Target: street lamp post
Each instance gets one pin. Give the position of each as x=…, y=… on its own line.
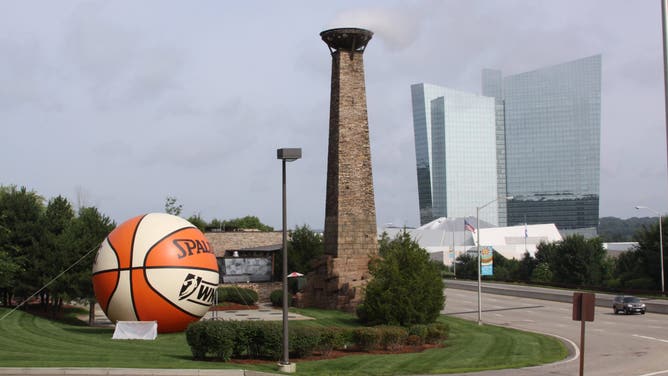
x=286, y=155
x=660, y=243
x=477, y=230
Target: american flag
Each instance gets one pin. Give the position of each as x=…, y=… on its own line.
x=468, y=226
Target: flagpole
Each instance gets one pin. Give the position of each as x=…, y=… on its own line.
x=454, y=253
x=525, y=233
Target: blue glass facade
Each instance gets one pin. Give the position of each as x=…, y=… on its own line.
x=534, y=136
x=552, y=129
x=455, y=143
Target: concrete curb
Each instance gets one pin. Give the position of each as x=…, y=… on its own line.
x=16, y=371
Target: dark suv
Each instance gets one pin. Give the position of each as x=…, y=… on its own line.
x=627, y=304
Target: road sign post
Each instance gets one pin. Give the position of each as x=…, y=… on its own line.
x=583, y=310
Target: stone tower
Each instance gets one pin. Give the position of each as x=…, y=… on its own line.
x=350, y=213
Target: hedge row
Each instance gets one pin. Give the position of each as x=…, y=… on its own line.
x=239, y=295
x=276, y=298
x=264, y=340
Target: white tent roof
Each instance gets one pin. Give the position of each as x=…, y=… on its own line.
x=438, y=236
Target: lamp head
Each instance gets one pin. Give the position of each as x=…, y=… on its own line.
x=289, y=154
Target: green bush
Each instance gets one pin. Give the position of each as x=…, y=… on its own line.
x=414, y=340
x=210, y=337
x=392, y=337
x=303, y=341
x=244, y=332
x=367, y=338
x=276, y=298
x=195, y=337
x=437, y=332
x=239, y=295
x=406, y=287
x=643, y=283
x=420, y=331
x=267, y=341
x=331, y=338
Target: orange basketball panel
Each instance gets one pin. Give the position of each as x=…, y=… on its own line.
x=150, y=306
x=104, y=285
x=185, y=248
x=121, y=239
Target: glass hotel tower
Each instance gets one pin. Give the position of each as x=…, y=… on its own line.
x=547, y=146
x=455, y=152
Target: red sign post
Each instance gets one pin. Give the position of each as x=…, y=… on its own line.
x=583, y=310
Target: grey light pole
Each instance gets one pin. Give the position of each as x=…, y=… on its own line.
x=660, y=243
x=477, y=231
x=286, y=155
x=664, y=34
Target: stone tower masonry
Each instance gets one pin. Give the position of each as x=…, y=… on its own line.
x=350, y=214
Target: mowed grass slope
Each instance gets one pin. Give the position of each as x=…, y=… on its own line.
x=469, y=348
x=29, y=341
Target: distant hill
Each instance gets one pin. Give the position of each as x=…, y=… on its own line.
x=612, y=229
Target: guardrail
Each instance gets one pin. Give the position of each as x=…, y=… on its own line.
x=565, y=296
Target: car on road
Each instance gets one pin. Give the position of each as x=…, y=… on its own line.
x=628, y=304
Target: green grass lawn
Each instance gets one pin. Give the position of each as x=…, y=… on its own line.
x=30, y=341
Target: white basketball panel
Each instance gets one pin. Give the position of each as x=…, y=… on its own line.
x=151, y=229
x=120, y=306
x=192, y=290
x=106, y=258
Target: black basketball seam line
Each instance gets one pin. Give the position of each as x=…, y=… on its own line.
x=132, y=250
x=154, y=267
x=148, y=282
x=196, y=302
x=118, y=278
x=163, y=238
x=143, y=267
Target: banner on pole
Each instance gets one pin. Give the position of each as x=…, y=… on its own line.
x=486, y=260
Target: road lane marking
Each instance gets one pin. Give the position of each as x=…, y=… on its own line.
x=652, y=338
x=655, y=373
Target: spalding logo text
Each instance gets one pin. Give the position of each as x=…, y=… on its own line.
x=188, y=247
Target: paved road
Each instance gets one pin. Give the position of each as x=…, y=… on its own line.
x=621, y=345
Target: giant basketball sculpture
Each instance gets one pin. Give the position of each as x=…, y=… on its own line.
x=155, y=267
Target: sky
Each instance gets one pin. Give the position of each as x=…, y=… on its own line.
x=120, y=104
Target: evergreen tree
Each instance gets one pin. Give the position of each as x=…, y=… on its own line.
x=406, y=287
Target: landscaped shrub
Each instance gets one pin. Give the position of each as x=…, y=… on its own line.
x=210, y=337
x=239, y=295
x=437, y=332
x=195, y=334
x=243, y=336
x=406, y=287
x=267, y=340
x=367, y=338
x=276, y=298
x=414, y=340
x=644, y=283
x=420, y=331
x=392, y=337
x=303, y=341
x=331, y=338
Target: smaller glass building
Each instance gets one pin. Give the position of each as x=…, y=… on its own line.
x=456, y=153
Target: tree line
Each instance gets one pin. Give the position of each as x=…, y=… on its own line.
x=41, y=239
x=579, y=262
x=248, y=222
